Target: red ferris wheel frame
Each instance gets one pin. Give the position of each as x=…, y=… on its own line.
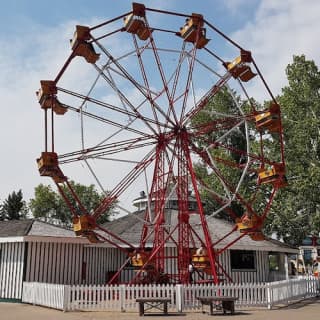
x=173, y=142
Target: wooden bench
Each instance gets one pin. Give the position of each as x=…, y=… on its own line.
x=225, y=303
x=153, y=303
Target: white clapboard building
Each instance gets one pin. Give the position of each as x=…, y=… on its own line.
x=35, y=251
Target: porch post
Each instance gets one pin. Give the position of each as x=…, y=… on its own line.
x=286, y=266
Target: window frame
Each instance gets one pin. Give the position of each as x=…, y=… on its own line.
x=234, y=265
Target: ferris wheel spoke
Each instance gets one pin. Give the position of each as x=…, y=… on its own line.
x=206, y=98
x=109, y=149
x=160, y=68
x=107, y=121
x=105, y=105
x=128, y=76
x=145, y=80
x=189, y=82
x=114, y=194
x=136, y=112
x=175, y=82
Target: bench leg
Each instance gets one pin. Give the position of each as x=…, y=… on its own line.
x=141, y=309
x=211, y=308
x=165, y=308
x=228, y=306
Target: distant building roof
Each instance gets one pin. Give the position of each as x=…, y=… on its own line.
x=32, y=229
x=129, y=228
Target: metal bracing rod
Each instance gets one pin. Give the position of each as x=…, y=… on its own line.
x=188, y=54
x=223, y=270
x=110, y=33
x=110, y=106
x=206, y=98
x=231, y=243
x=115, y=237
x=76, y=198
x=114, y=147
x=253, y=109
x=124, y=183
x=141, y=86
x=222, y=34
x=86, y=155
x=206, y=159
x=240, y=152
x=130, y=213
x=155, y=188
x=119, y=95
x=136, y=112
x=170, y=162
x=219, y=175
x=215, y=125
x=175, y=83
x=128, y=76
x=156, y=250
x=63, y=69
x=46, y=130
x=95, y=177
x=201, y=213
x=189, y=78
x=110, y=21
x=169, y=12
x=213, y=54
x=263, y=80
x=145, y=80
x=235, y=228
x=158, y=61
x=116, y=275
x=81, y=108
x=66, y=199
x=104, y=120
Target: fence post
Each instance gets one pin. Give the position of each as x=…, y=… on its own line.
x=122, y=296
x=66, y=297
x=269, y=296
x=179, y=297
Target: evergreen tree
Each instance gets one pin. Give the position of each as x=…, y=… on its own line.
x=14, y=207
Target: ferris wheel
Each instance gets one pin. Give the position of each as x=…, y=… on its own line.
x=136, y=107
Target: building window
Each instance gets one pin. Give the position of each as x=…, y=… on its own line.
x=274, y=261
x=243, y=260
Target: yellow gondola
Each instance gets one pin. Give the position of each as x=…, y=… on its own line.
x=134, y=23
x=240, y=68
x=269, y=119
x=194, y=32
x=81, y=46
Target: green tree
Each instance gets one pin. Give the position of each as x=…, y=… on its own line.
x=50, y=206
x=296, y=211
x=14, y=207
x=213, y=117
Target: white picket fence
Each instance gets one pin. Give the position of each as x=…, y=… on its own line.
x=183, y=297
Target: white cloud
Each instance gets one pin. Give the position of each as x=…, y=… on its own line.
x=279, y=30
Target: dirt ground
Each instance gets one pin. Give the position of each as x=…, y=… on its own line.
x=305, y=310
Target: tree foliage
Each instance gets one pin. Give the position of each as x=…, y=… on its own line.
x=296, y=212
x=14, y=207
x=50, y=206
x=223, y=103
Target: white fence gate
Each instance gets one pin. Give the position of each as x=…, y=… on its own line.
x=183, y=297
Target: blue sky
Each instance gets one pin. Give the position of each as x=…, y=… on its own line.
x=34, y=44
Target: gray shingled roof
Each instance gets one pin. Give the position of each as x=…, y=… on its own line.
x=15, y=228
x=129, y=229
x=20, y=228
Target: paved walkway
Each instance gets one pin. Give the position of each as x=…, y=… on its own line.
x=305, y=310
